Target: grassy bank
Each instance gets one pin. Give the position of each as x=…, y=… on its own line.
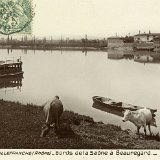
x=21, y=128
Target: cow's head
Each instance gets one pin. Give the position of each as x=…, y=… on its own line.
x=127, y=114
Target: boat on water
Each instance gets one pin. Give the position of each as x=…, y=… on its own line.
x=9, y=68
x=117, y=112
x=119, y=106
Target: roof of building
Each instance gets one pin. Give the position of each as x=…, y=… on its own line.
x=148, y=34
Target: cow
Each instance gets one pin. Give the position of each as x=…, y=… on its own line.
x=53, y=110
x=140, y=117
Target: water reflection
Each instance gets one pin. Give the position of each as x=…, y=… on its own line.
x=138, y=56
x=76, y=78
x=114, y=54
x=14, y=82
x=143, y=58
x=120, y=54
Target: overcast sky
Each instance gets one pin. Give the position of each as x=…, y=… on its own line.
x=96, y=17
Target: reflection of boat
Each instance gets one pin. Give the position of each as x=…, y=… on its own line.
x=11, y=68
x=119, y=106
x=143, y=58
x=116, y=108
x=11, y=82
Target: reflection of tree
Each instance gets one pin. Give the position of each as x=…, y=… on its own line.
x=14, y=17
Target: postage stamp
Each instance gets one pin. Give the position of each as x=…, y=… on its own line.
x=16, y=16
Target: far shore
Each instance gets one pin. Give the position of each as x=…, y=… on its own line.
x=43, y=47
x=21, y=127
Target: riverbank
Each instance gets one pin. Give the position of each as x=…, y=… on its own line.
x=21, y=128
x=43, y=47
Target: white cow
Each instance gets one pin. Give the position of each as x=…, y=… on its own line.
x=141, y=117
x=53, y=110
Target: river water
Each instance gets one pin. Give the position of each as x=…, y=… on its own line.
x=76, y=77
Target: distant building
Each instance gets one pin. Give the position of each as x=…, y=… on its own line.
x=145, y=37
x=156, y=43
x=115, y=41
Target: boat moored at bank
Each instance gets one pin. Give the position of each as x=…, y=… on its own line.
x=11, y=67
x=119, y=106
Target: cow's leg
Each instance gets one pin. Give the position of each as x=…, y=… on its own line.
x=57, y=121
x=145, y=130
x=45, y=130
x=57, y=124
x=149, y=128
x=138, y=130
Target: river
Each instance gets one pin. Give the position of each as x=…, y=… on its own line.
x=76, y=76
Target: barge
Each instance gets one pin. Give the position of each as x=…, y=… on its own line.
x=9, y=68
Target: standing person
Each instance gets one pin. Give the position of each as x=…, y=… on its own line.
x=53, y=110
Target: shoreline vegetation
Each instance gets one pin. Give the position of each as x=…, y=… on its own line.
x=127, y=43
x=21, y=128
x=52, y=44
x=114, y=53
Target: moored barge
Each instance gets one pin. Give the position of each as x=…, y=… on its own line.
x=9, y=68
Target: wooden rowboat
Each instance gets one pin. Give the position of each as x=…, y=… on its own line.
x=119, y=106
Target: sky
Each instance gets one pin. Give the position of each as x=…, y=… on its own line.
x=95, y=17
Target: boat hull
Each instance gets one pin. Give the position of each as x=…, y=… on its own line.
x=120, y=106
x=9, y=68
x=118, y=110
x=11, y=74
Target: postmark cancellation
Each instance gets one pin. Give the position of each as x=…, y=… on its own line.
x=16, y=16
